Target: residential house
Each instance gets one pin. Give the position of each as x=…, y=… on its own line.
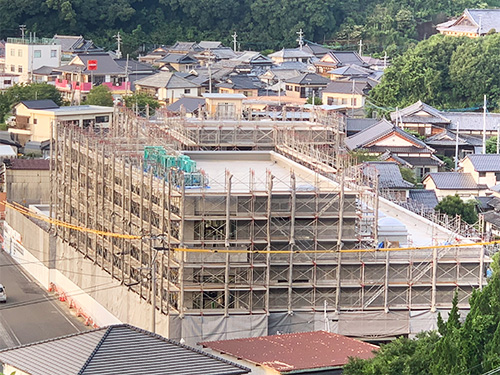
x=336, y=59
x=153, y=56
x=122, y=349
x=315, y=49
x=428, y=121
x=2, y=55
x=209, y=56
x=390, y=180
x=167, y=87
x=252, y=60
x=8, y=80
x=209, y=44
x=351, y=94
x=451, y=183
x=446, y=143
x=187, y=106
x=472, y=23
x=484, y=168
x=422, y=200
x=224, y=106
x=375, y=64
x=135, y=70
x=185, y=48
x=311, y=353
x=291, y=54
x=45, y=74
x=23, y=56
x=179, y=61
x=239, y=84
x=34, y=118
x=273, y=76
x=391, y=143
x=306, y=85
x=74, y=45
x=355, y=72
x=76, y=79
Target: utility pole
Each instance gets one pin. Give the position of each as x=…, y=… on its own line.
x=360, y=46
x=456, y=146
x=119, y=42
x=210, y=71
x=23, y=29
x=385, y=59
x=301, y=38
x=484, y=125
x=234, y=41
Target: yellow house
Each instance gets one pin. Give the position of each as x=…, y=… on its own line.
x=484, y=168
x=224, y=106
x=451, y=183
x=34, y=118
x=351, y=94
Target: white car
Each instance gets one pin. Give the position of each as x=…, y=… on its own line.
x=3, y=294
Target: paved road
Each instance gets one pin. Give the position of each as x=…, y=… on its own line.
x=30, y=314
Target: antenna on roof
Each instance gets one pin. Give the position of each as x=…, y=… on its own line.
x=119, y=42
x=23, y=29
x=360, y=47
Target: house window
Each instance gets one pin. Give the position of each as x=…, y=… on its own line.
x=19, y=53
x=482, y=174
x=35, y=121
x=12, y=68
x=100, y=119
x=53, y=53
x=353, y=102
x=37, y=53
x=297, y=88
x=497, y=176
x=19, y=68
x=12, y=52
x=344, y=100
x=7, y=82
x=187, y=91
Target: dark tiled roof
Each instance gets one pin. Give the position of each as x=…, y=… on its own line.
x=28, y=164
x=426, y=198
x=347, y=57
x=407, y=114
x=40, y=104
x=485, y=162
x=472, y=121
x=178, y=58
x=420, y=161
x=239, y=83
x=105, y=64
x=347, y=87
x=454, y=181
x=309, y=79
x=492, y=217
x=120, y=349
x=166, y=79
x=190, y=104
x=389, y=175
x=359, y=124
x=295, y=351
x=449, y=138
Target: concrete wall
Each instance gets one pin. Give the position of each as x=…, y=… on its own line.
x=28, y=186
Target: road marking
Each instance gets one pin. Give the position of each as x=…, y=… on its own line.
x=62, y=312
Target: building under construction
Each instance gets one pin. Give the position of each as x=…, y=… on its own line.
x=246, y=242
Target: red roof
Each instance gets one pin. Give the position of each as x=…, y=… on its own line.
x=295, y=351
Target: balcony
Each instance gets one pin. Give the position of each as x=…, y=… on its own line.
x=62, y=84
x=124, y=86
x=81, y=86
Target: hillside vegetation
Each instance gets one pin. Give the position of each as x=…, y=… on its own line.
x=260, y=24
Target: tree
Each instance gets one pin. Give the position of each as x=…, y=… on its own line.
x=453, y=205
x=408, y=175
x=141, y=100
x=317, y=101
x=100, y=95
x=491, y=145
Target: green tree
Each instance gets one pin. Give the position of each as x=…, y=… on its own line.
x=491, y=145
x=453, y=205
x=408, y=175
x=317, y=101
x=141, y=101
x=100, y=95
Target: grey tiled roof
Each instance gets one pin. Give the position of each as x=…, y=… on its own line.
x=472, y=121
x=291, y=53
x=178, y=58
x=389, y=175
x=492, y=217
x=347, y=57
x=359, y=124
x=485, y=162
x=426, y=198
x=309, y=79
x=120, y=349
x=375, y=131
x=347, y=87
x=406, y=114
x=166, y=79
x=454, y=181
x=189, y=104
